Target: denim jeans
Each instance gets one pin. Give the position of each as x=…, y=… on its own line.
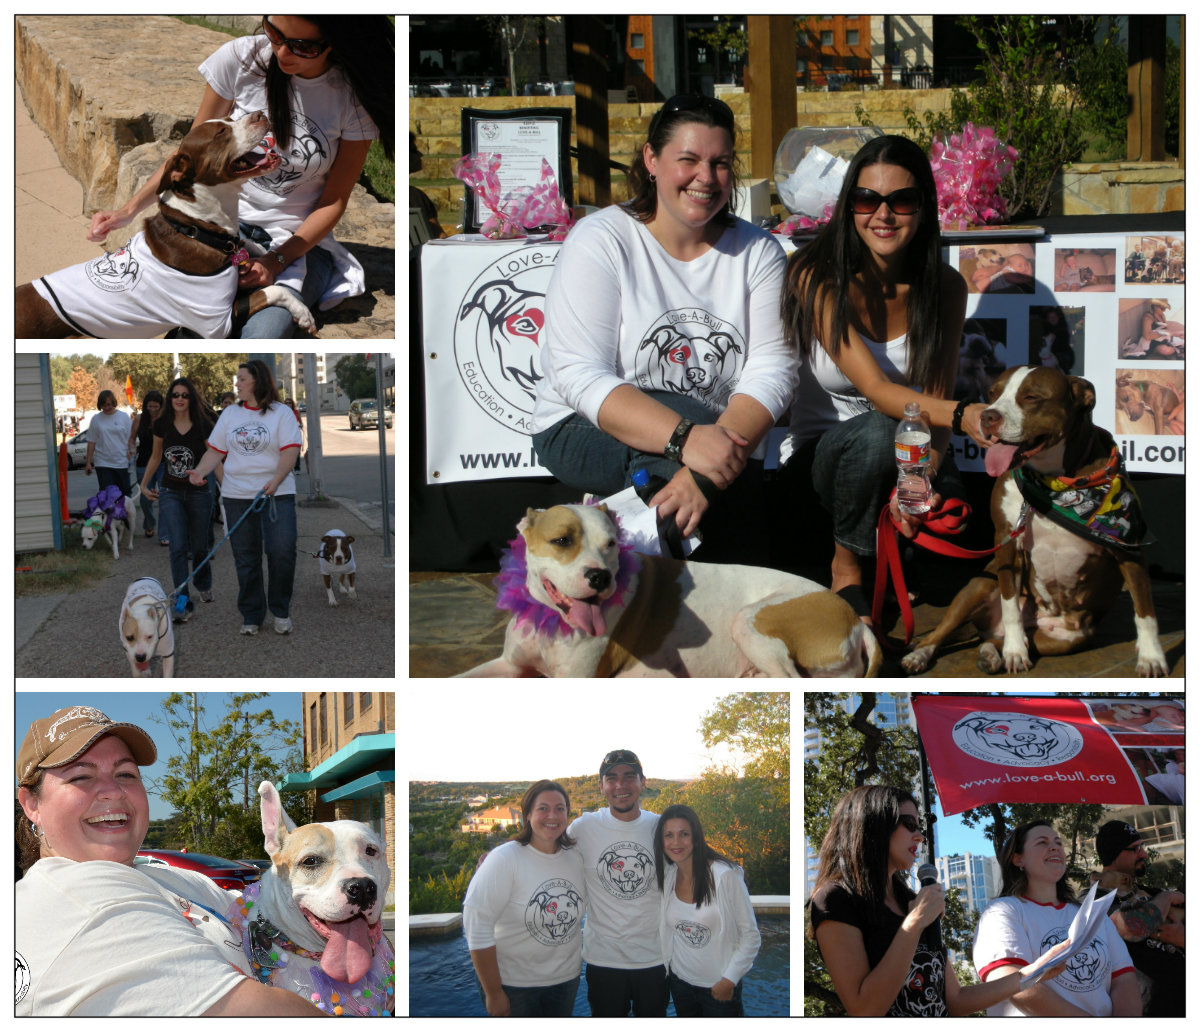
x=146, y=503
x=539, y=1001
x=582, y=456
x=185, y=518
x=274, y=322
x=259, y=534
x=612, y=992
x=696, y=1001
x=107, y=476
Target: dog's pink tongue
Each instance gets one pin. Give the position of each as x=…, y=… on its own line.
x=998, y=458
x=585, y=617
x=347, y=955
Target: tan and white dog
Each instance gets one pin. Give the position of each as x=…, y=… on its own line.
x=93, y=528
x=313, y=923
x=1052, y=578
x=589, y=608
x=145, y=626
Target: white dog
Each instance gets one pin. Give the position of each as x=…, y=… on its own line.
x=106, y=524
x=145, y=627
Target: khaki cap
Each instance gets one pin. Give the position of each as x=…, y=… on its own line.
x=68, y=733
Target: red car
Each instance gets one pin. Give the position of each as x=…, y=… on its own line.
x=229, y=874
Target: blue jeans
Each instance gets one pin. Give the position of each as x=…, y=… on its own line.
x=107, y=476
x=539, y=1001
x=583, y=456
x=259, y=534
x=696, y=1001
x=146, y=503
x=275, y=322
x=186, y=520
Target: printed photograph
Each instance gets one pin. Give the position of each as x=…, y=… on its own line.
x=1056, y=337
x=1150, y=328
x=1154, y=259
x=998, y=268
x=1081, y=269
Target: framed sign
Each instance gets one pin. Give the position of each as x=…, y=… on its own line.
x=522, y=138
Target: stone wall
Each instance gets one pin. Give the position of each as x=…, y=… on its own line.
x=1121, y=188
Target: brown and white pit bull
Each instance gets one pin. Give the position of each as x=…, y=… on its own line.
x=1057, y=581
x=181, y=270
x=585, y=606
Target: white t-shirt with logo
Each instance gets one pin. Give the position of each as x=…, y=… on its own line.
x=529, y=905
x=130, y=293
x=622, y=890
x=720, y=939
x=620, y=309
x=1015, y=930
x=251, y=440
x=102, y=939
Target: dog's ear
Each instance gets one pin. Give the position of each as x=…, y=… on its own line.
x=348, y=539
x=1084, y=392
x=529, y=519
x=276, y=824
x=179, y=176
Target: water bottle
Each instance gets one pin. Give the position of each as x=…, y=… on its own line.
x=670, y=540
x=913, y=488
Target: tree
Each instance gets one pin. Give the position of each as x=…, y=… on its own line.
x=213, y=374
x=147, y=370
x=355, y=377
x=83, y=385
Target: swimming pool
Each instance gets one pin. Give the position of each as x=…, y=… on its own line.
x=441, y=980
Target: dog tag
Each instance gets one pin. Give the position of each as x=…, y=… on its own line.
x=239, y=257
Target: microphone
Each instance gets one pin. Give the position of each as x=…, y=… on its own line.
x=927, y=874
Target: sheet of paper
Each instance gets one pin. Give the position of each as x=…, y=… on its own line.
x=1084, y=927
x=640, y=522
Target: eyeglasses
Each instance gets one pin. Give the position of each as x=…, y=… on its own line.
x=183, y=396
x=722, y=113
x=900, y=202
x=911, y=823
x=305, y=48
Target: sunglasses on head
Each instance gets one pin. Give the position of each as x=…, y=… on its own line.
x=722, y=113
x=306, y=48
x=911, y=823
x=899, y=202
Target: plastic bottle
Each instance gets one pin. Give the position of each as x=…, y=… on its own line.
x=670, y=540
x=913, y=488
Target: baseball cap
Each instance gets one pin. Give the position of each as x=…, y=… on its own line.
x=68, y=733
x=1114, y=837
x=619, y=756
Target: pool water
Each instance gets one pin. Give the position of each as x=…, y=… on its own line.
x=441, y=979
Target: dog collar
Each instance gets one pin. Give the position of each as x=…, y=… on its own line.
x=223, y=242
x=512, y=592
x=1101, y=506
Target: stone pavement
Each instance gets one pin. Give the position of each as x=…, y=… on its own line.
x=454, y=625
x=89, y=121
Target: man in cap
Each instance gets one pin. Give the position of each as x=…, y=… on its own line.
x=620, y=936
x=1155, y=942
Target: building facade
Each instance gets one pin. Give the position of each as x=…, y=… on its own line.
x=496, y=817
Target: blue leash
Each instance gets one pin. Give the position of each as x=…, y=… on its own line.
x=260, y=500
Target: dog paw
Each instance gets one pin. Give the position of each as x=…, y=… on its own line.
x=354, y=594
x=1016, y=660
x=918, y=660
x=1152, y=666
x=343, y=589
x=333, y=601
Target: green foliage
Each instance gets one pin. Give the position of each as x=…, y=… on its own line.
x=439, y=894
x=724, y=34
x=355, y=376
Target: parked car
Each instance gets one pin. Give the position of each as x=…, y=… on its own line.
x=364, y=412
x=77, y=451
x=229, y=874
x=262, y=865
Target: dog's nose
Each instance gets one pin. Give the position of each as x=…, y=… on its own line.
x=360, y=891
x=598, y=578
x=989, y=421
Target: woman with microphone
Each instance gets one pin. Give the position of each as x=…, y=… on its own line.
x=879, y=941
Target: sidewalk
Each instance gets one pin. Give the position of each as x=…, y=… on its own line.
x=77, y=637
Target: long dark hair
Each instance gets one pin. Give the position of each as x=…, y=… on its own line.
x=855, y=851
x=525, y=836
x=144, y=419
x=826, y=266
x=643, y=202
x=265, y=391
x=1014, y=880
x=363, y=49
x=703, y=855
x=199, y=412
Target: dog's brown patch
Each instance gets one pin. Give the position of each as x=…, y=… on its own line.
x=129, y=625
x=814, y=627
x=556, y=533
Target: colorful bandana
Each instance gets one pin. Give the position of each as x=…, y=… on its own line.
x=1101, y=506
x=513, y=593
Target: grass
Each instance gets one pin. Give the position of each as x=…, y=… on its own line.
x=72, y=569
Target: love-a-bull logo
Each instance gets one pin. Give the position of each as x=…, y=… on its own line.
x=694, y=353
x=626, y=869
x=1017, y=739
x=553, y=912
x=114, y=271
x=498, y=334
x=251, y=438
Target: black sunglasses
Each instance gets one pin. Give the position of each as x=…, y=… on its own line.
x=183, y=396
x=911, y=823
x=722, y=113
x=900, y=202
x=306, y=48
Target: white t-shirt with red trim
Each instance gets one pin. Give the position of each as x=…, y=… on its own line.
x=1015, y=930
x=251, y=440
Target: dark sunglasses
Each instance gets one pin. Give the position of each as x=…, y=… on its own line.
x=722, y=113
x=306, y=48
x=900, y=202
x=911, y=823
x=183, y=396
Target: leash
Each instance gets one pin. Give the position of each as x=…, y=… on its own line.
x=951, y=518
x=260, y=500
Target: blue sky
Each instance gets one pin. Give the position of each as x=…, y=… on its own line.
x=137, y=707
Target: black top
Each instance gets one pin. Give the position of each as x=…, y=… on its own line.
x=924, y=992
x=181, y=453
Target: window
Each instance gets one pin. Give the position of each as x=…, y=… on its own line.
x=637, y=41
x=323, y=738
x=852, y=37
x=347, y=708
x=826, y=37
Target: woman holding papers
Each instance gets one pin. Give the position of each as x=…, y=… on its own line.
x=879, y=941
x=1032, y=914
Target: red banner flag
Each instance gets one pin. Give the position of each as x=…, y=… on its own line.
x=129, y=389
x=1052, y=750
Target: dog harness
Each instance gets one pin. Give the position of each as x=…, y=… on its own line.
x=268, y=950
x=130, y=293
x=110, y=502
x=330, y=568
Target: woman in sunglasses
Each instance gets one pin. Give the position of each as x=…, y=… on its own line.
x=878, y=318
x=327, y=84
x=663, y=348
x=1035, y=907
x=879, y=941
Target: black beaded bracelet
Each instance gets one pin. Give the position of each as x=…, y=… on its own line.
x=956, y=422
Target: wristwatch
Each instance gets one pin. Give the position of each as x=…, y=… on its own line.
x=956, y=426
x=282, y=262
x=674, y=448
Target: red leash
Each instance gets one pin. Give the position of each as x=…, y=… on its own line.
x=951, y=518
